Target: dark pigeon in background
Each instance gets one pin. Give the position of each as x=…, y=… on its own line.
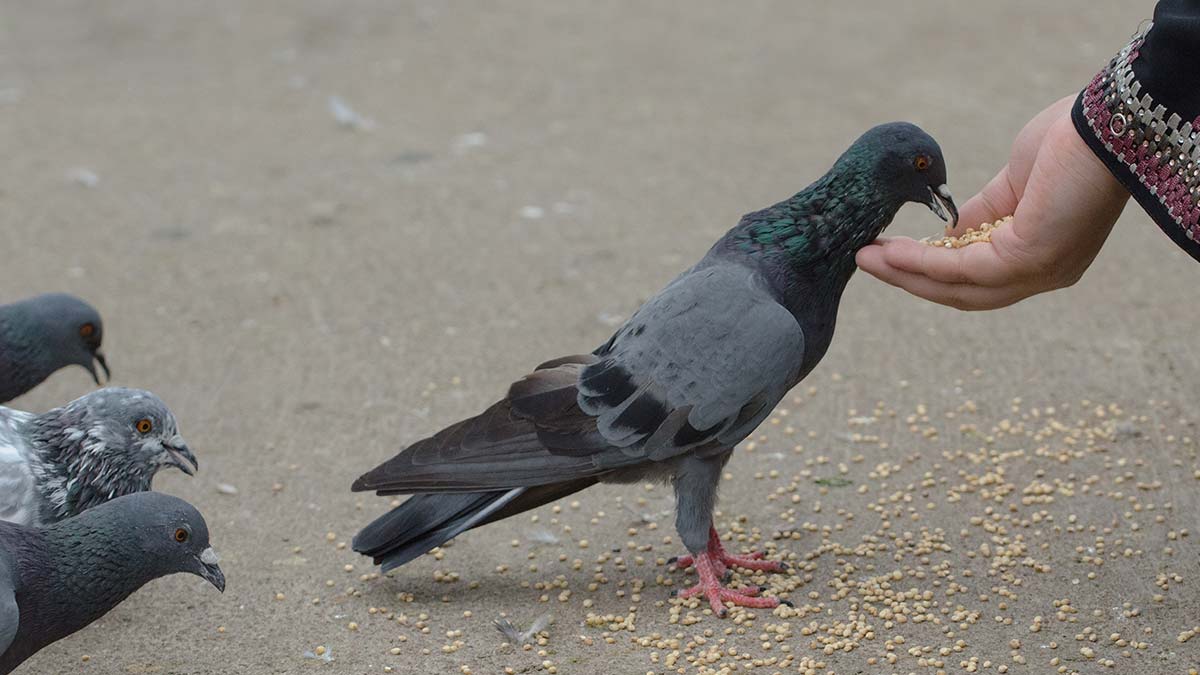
x=690, y=375
x=43, y=334
x=56, y=580
x=106, y=444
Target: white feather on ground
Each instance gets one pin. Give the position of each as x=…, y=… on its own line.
x=543, y=536
x=515, y=636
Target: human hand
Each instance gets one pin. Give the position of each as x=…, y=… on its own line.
x=1064, y=203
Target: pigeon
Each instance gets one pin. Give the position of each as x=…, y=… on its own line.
x=691, y=374
x=44, y=333
x=58, y=579
x=105, y=444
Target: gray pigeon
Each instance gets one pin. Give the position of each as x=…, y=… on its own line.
x=106, y=444
x=41, y=334
x=56, y=580
x=688, y=376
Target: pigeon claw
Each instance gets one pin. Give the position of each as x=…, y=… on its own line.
x=714, y=567
x=754, y=561
x=717, y=595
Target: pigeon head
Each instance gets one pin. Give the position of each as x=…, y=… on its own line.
x=139, y=424
x=70, y=330
x=173, y=535
x=906, y=163
x=167, y=534
x=108, y=443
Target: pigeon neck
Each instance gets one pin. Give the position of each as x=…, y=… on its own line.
x=73, y=466
x=826, y=223
x=95, y=567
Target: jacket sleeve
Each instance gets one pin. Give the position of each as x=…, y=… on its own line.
x=1141, y=116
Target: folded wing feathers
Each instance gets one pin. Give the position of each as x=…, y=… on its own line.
x=701, y=363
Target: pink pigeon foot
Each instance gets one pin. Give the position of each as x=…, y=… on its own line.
x=712, y=566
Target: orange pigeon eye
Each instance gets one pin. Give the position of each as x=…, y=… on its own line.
x=87, y=330
x=143, y=426
x=921, y=162
x=181, y=535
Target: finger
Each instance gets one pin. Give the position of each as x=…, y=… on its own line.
x=996, y=200
x=977, y=264
x=870, y=259
x=1020, y=164
x=966, y=297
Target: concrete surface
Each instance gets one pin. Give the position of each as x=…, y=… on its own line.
x=309, y=297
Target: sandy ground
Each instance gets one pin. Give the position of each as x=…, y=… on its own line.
x=309, y=297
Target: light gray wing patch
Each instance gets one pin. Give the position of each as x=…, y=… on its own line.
x=18, y=496
x=709, y=345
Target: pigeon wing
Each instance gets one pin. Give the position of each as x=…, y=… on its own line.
x=701, y=363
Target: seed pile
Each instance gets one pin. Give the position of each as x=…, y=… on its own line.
x=979, y=538
x=971, y=236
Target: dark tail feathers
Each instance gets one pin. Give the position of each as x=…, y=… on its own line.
x=426, y=521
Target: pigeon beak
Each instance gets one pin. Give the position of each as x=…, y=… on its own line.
x=181, y=457
x=97, y=357
x=209, y=570
x=942, y=204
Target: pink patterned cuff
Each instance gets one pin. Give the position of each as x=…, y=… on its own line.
x=1157, y=147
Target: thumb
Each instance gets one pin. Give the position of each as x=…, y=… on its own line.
x=995, y=201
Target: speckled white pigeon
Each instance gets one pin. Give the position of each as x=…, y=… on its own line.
x=106, y=444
